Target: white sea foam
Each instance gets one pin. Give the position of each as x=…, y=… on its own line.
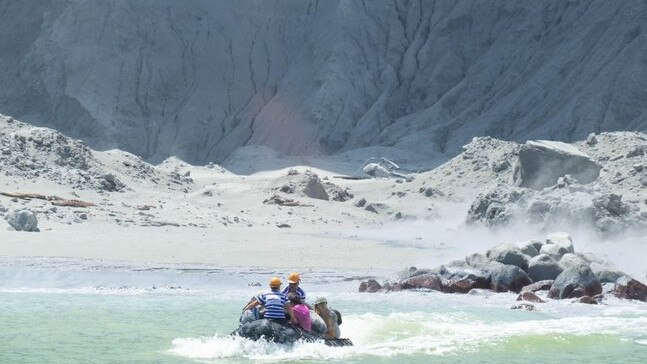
x=413, y=333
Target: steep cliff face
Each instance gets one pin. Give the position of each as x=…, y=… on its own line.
x=198, y=79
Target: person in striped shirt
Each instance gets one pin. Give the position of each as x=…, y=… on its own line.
x=293, y=286
x=275, y=302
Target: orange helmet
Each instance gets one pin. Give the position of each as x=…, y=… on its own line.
x=275, y=282
x=293, y=277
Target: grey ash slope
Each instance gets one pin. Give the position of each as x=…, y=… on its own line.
x=200, y=79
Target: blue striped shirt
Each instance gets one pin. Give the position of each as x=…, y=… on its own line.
x=300, y=292
x=274, y=303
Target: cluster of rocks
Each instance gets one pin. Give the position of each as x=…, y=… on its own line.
x=308, y=184
x=28, y=152
x=550, y=265
x=555, y=184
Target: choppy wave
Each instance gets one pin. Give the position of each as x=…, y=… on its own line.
x=420, y=333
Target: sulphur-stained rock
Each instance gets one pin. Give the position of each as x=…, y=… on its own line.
x=508, y=254
x=629, y=288
x=539, y=286
x=588, y=300
x=370, y=286
x=575, y=282
x=507, y=277
x=530, y=297
x=523, y=306
x=544, y=267
x=424, y=281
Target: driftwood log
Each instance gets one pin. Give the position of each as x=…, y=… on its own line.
x=55, y=200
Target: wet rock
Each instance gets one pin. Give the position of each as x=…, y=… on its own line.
x=538, y=286
x=523, y=306
x=554, y=251
x=541, y=163
x=508, y=254
x=462, y=279
x=476, y=259
x=529, y=249
x=543, y=267
x=530, y=297
x=506, y=278
x=575, y=282
x=629, y=288
x=370, y=286
x=588, y=300
x=570, y=260
x=605, y=274
x=22, y=220
x=424, y=281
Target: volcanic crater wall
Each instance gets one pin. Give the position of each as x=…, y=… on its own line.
x=198, y=79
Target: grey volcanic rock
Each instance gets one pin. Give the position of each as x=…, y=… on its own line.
x=575, y=282
x=630, y=288
x=542, y=163
x=530, y=249
x=199, y=79
x=370, y=286
x=605, y=274
x=543, y=267
x=423, y=281
x=570, y=260
x=538, y=286
x=507, y=277
x=508, y=254
x=554, y=251
x=22, y=220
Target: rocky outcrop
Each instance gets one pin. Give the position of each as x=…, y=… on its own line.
x=508, y=254
x=507, y=278
x=542, y=163
x=575, y=282
x=543, y=267
x=370, y=286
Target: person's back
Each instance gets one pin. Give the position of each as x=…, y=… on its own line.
x=329, y=317
x=274, y=303
x=299, y=312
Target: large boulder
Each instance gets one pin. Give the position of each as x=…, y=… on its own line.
x=554, y=251
x=575, y=282
x=462, y=279
x=22, y=220
x=423, y=281
x=543, y=267
x=561, y=239
x=509, y=254
x=538, y=286
x=506, y=278
x=571, y=259
x=370, y=286
x=629, y=288
x=605, y=274
x=529, y=248
x=542, y=163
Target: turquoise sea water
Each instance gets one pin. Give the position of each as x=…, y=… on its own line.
x=52, y=314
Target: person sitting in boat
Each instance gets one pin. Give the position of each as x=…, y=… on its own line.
x=274, y=302
x=299, y=312
x=293, y=286
x=330, y=317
